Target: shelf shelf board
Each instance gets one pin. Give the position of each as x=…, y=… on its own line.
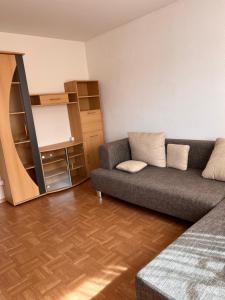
x=59, y=146
x=21, y=141
x=77, y=167
x=53, y=160
x=51, y=104
x=17, y=113
x=56, y=172
x=88, y=96
x=72, y=102
x=54, y=104
x=76, y=155
x=85, y=110
x=29, y=166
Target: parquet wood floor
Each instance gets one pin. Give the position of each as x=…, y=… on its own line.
x=69, y=247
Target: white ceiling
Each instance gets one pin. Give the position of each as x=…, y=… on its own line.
x=71, y=19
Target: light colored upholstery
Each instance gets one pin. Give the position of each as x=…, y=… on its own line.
x=148, y=147
x=177, y=156
x=131, y=166
x=192, y=267
x=215, y=168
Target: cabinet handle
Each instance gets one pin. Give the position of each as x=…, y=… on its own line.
x=25, y=128
x=91, y=136
x=54, y=99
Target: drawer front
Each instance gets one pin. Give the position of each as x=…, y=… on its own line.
x=54, y=98
x=91, y=121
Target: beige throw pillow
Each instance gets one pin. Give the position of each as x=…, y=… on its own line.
x=148, y=147
x=177, y=156
x=131, y=166
x=215, y=168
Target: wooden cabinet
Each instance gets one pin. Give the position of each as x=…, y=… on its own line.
x=29, y=171
x=20, y=165
x=92, y=141
x=91, y=118
x=63, y=165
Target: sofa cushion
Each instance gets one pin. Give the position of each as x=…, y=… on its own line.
x=200, y=151
x=177, y=156
x=185, y=195
x=131, y=166
x=148, y=147
x=192, y=267
x=215, y=168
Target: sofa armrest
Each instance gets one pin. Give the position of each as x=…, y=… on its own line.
x=111, y=154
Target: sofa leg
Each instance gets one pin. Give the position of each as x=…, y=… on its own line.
x=99, y=193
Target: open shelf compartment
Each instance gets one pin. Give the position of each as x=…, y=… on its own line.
x=89, y=103
x=15, y=105
x=78, y=175
x=87, y=88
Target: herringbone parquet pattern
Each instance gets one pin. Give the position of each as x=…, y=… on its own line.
x=66, y=246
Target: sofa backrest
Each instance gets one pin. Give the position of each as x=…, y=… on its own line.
x=116, y=152
x=200, y=151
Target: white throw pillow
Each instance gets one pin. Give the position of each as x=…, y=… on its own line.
x=131, y=166
x=177, y=156
x=215, y=168
x=148, y=147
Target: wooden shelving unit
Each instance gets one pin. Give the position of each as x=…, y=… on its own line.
x=29, y=171
x=89, y=107
x=20, y=166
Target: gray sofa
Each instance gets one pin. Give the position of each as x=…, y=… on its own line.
x=193, y=266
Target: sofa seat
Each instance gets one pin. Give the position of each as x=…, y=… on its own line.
x=192, y=267
x=185, y=195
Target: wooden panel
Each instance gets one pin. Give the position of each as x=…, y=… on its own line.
x=70, y=86
x=75, y=124
x=18, y=182
x=92, y=141
x=91, y=120
x=11, y=53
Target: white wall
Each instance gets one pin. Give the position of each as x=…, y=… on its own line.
x=48, y=63
x=164, y=72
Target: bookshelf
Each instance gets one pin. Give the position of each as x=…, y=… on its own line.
x=89, y=106
x=20, y=162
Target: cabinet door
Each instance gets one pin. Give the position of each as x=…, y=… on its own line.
x=91, y=120
x=92, y=141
